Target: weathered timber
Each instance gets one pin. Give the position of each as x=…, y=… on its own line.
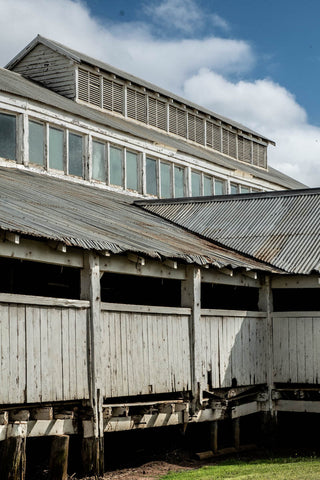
x=214, y=436
x=266, y=305
x=58, y=465
x=236, y=432
x=13, y=458
x=191, y=297
x=93, y=462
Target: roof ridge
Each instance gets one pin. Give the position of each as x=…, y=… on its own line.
x=230, y=197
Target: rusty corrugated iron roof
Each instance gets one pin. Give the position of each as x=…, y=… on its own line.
x=98, y=219
x=280, y=228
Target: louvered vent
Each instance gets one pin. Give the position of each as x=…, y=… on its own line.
x=157, y=113
x=232, y=145
x=255, y=153
x=136, y=105
x=262, y=161
x=177, y=121
x=195, y=128
x=213, y=136
x=94, y=89
x=192, y=127
x=112, y=96
x=244, y=150
x=83, y=85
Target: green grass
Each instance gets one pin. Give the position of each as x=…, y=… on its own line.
x=275, y=469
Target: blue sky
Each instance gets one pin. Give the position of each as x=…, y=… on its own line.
x=256, y=61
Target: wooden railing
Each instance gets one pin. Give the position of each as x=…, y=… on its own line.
x=233, y=348
x=43, y=349
x=145, y=350
x=296, y=347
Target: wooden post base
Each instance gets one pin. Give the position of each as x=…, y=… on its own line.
x=92, y=453
x=236, y=433
x=58, y=464
x=13, y=458
x=214, y=436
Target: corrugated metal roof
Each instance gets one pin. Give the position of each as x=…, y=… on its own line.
x=83, y=58
x=15, y=84
x=98, y=219
x=280, y=228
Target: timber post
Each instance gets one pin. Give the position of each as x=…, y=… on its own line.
x=59, y=457
x=266, y=305
x=214, y=436
x=13, y=452
x=191, y=297
x=93, y=444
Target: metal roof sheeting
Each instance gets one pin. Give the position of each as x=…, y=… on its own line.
x=280, y=228
x=14, y=84
x=94, y=218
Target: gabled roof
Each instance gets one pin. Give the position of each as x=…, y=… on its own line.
x=280, y=228
x=14, y=84
x=79, y=58
x=93, y=218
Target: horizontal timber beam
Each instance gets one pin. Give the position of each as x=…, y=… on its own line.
x=295, y=281
x=37, y=251
x=238, y=279
x=151, y=268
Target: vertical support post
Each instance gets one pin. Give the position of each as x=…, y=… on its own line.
x=236, y=432
x=266, y=305
x=191, y=297
x=13, y=452
x=214, y=436
x=59, y=457
x=92, y=445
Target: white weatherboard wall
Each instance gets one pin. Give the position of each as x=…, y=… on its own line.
x=296, y=347
x=233, y=347
x=43, y=352
x=144, y=350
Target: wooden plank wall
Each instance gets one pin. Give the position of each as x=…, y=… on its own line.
x=296, y=347
x=49, y=68
x=144, y=350
x=233, y=347
x=43, y=353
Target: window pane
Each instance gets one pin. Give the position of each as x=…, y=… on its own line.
x=234, y=189
x=165, y=171
x=218, y=187
x=132, y=170
x=244, y=189
x=207, y=185
x=195, y=184
x=75, y=155
x=151, y=176
x=179, y=182
x=55, y=148
x=7, y=136
x=98, y=162
x=115, y=166
x=36, y=143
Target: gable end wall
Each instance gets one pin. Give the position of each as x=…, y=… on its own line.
x=49, y=68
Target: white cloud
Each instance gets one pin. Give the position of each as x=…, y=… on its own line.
x=198, y=68
x=269, y=109
x=183, y=15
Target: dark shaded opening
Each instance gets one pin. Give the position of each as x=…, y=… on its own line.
x=296, y=299
x=229, y=297
x=132, y=289
x=40, y=279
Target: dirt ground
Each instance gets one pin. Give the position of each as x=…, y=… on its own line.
x=174, y=461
